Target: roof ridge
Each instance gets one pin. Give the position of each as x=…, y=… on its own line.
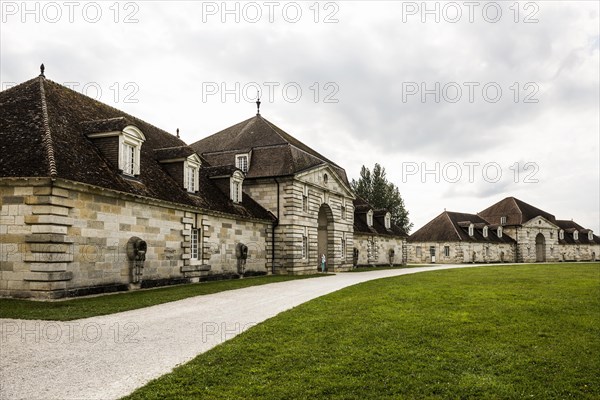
x=47, y=135
x=452, y=223
x=514, y=200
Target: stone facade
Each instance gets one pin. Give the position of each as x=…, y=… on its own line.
x=458, y=252
x=378, y=250
x=61, y=239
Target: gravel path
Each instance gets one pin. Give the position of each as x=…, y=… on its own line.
x=108, y=357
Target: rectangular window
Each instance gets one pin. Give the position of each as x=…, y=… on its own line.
x=128, y=159
x=305, y=203
x=344, y=248
x=194, y=244
x=447, y=251
x=191, y=179
x=418, y=251
x=304, y=246
x=502, y=220
x=343, y=211
x=235, y=196
x=487, y=251
x=242, y=163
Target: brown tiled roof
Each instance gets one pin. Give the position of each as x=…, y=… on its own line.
x=361, y=208
x=454, y=227
x=274, y=152
x=173, y=153
x=571, y=226
x=517, y=212
x=43, y=128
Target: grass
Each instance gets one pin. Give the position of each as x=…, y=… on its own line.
x=67, y=310
x=509, y=332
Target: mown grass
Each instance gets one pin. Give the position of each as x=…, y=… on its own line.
x=509, y=332
x=67, y=310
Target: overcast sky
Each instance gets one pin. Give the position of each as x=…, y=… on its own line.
x=463, y=103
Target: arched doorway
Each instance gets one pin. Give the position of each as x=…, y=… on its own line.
x=325, y=222
x=540, y=248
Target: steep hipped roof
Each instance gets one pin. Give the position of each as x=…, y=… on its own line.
x=454, y=227
x=274, y=152
x=361, y=208
x=517, y=212
x=571, y=226
x=43, y=128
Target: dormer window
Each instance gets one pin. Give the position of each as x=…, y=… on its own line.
x=561, y=234
x=242, y=162
x=236, y=181
x=130, y=145
x=471, y=230
x=499, y=231
x=191, y=168
x=388, y=221
x=502, y=220
x=370, y=218
x=576, y=235
x=590, y=236
x=485, y=231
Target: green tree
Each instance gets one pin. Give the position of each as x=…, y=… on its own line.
x=377, y=191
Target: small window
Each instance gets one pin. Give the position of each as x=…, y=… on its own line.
x=590, y=236
x=471, y=230
x=370, y=218
x=499, y=231
x=191, y=168
x=343, y=249
x=129, y=160
x=325, y=178
x=485, y=231
x=551, y=234
x=343, y=212
x=447, y=251
x=304, y=246
x=487, y=251
x=418, y=251
x=561, y=234
x=236, y=186
x=388, y=221
x=130, y=144
x=194, y=244
x=502, y=220
x=241, y=162
x=576, y=235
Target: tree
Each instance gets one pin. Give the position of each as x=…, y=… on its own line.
x=377, y=191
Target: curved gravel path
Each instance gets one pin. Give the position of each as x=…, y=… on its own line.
x=108, y=357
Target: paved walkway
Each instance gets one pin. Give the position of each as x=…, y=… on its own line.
x=108, y=357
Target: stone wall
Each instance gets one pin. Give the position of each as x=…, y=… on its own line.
x=61, y=239
x=460, y=252
x=375, y=249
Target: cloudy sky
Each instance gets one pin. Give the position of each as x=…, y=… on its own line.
x=463, y=103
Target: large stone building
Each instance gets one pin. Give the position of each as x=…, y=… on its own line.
x=93, y=200
x=508, y=231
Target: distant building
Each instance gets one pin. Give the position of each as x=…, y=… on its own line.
x=508, y=231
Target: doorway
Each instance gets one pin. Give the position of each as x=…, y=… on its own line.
x=325, y=232
x=540, y=248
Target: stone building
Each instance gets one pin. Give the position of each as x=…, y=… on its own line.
x=508, y=231
x=94, y=200
x=309, y=195
x=378, y=240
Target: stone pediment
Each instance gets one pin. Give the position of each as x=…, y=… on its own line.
x=327, y=179
x=540, y=222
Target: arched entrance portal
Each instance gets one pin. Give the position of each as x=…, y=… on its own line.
x=540, y=248
x=325, y=221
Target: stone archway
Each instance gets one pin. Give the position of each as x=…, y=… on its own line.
x=540, y=248
x=325, y=234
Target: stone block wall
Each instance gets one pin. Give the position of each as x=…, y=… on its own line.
x=459, y=252
x=375, y=249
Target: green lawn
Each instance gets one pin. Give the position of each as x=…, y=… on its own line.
x=509, y=332
x=67, y=310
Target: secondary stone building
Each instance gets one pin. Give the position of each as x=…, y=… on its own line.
x=508, y=231
x=93, y=200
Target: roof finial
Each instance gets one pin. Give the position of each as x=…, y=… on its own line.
x=258, y=105
x=42, y=68
x=177, y=132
